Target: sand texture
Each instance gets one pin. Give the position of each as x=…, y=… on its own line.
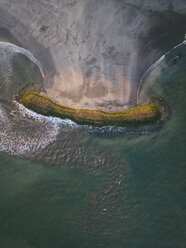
x=94, y=52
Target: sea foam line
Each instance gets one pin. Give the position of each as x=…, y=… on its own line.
x=153, y=66
x=12, y=49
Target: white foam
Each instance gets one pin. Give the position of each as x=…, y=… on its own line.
x=18, y=141
x=37, y=131
x=57, y=122
x=153, y=66
x=7, y=50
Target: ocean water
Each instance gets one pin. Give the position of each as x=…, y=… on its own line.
x=68, y=186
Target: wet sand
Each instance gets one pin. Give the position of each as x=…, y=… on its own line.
x=95, y=52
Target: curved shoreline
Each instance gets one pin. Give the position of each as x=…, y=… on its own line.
x=100, y=69
x=141, y=115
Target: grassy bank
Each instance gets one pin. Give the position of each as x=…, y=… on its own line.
x=136, y=116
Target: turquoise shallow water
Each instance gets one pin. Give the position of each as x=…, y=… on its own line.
x=86, y=189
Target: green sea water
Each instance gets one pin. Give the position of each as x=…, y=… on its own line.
x=115, y=190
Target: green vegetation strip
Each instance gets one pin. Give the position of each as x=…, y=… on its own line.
x=136, y=116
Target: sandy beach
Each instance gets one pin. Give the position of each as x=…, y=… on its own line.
x=94, y=53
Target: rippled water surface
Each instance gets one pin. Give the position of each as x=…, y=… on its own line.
x=75, y=186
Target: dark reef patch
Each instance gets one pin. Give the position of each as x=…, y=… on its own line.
x=141, y=115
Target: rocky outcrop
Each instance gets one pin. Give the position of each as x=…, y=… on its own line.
x=94, y=52
x=137, y=116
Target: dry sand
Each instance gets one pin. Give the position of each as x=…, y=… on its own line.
x=94, y=52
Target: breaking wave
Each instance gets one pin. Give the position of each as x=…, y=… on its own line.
x=23, y=131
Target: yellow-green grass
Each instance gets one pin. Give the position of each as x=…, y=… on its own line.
x=141, y=115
